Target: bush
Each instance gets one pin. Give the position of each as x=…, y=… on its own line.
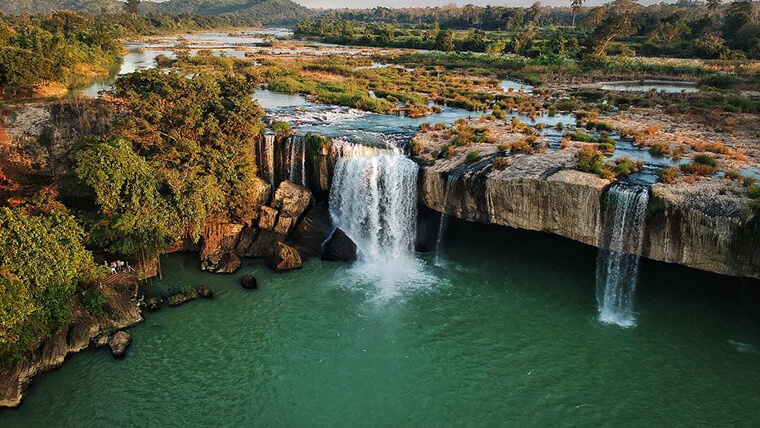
x=580, y=136
x=720, y=81
x=668, y=175
x=590, y=160
x=471, y=156
x=94, y=301
x=501, y=163
x=659, y=149
x=704, y=159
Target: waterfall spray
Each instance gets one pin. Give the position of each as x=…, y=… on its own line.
x=617, y=266
x=373, y=199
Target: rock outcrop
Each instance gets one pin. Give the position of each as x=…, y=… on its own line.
x=286, y=258
x=121, y=311
x=339, y=248
x=119, y=342
x=699, y=225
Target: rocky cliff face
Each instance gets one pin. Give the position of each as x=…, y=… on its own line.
x=700, y=225
x=85, y=330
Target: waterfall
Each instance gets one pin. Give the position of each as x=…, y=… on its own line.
x=450, y=181
x=617, y=266
x=269, y=156
x=373, y=199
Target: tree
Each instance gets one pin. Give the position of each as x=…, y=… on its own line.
x=133, y=7
x=576, y=6
x=43, y=258
x=616, y=24
x=198, y=135
x=445, y=40
x=135, y=219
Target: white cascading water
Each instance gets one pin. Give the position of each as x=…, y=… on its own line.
x=617, y=265
x=373, y=199
x=296, y=149
x=450, y=180
x=269, y=152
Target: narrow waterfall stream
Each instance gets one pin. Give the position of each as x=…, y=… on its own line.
x=450, y=180
x=373, y=199
x=617, y=265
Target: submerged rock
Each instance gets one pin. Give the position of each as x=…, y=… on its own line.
x=153, y=304
x=249, y=282
x=339, y=248
x=205, y=292
x=287, y=258
x=119, y=343
x=182, y=297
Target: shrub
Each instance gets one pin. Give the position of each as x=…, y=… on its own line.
x=720, y=81
x=94, y=301
x=471, y=156
x=625, y=166
x=282, y=128
x=704, y=159
x=580, y=136
x=753, y=192
x=668, y=175
x=501, y=163
x=590, y=160
x=733, y=175
x=659, y=149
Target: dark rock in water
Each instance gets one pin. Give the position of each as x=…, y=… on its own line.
x=312, y=231
x=119, y=343
x=153, y=304
x=264, y=245
x=182, y=297
x=287, y=258
x=205, y=292
x=339, y=248
x=249, y=282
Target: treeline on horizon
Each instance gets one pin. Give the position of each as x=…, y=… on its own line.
x=708, y=30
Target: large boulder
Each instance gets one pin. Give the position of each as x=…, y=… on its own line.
x=219, y=245
x=221, y=263
x=263, y=245
x=268, y=218
x=249, y=282
x=312, y=231
x=119, y=343
x=285, y=259
x=339, y=248
x=292, y=201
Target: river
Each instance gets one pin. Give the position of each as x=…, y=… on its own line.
x=505, y=332
x=505, y=335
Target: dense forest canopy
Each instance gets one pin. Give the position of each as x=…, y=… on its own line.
x=706, y=30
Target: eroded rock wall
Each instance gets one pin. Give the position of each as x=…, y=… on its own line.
x=702, y=225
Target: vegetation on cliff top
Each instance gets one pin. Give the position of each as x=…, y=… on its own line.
x=42, y=260
x=181, y=154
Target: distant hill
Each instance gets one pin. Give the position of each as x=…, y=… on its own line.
x=15, y=7
x=266, y=12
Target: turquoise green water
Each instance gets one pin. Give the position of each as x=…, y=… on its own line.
x=507, y=336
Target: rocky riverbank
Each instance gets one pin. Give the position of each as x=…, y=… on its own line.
x=84, y=331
